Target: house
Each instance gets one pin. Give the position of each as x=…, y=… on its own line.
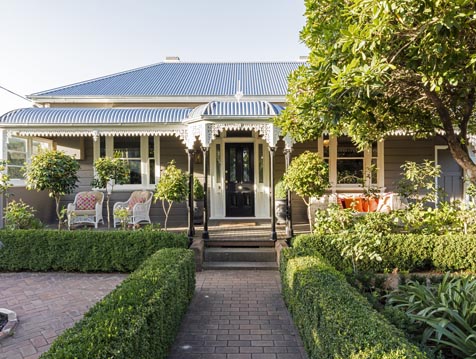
x=220, y=114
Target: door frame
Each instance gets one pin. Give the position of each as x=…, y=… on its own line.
x=217, y=189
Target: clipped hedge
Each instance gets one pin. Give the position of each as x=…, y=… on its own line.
x=140, y=318
x=408, y=252
x=334, y=320
x=84, y=251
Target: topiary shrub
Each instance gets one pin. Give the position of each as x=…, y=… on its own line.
x=140, y=318
x=83, y=251
x=334, y=320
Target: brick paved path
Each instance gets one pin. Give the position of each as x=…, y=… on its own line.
x=238, y=315
x=47, y=304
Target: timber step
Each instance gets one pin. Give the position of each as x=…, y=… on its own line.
x=240, y=258
x=245, y=243
x=240, y=265
x=240, y=255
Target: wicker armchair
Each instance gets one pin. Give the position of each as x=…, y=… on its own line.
x=86, y=208
x=138, y=205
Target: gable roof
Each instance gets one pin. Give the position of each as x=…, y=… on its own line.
x=183, y=79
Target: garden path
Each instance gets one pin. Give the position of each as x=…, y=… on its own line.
x=238, y=315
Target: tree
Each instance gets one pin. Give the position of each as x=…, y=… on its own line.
x=52, y=171
x=378, y=66
x=308, y=176
x=171, y=187
x=110, y=171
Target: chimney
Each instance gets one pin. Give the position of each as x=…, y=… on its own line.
x=172, y=59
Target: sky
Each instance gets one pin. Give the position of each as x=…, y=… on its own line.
x=50, y=43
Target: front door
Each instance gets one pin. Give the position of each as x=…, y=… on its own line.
x=239, y=180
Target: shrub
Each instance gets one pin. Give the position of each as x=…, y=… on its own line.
x=198, y=191
x=84, y=251
x=109, y=172
x=140, y=318
x=334, y=320
x=408, y=252
x=19, y=215
x=171, y=187
x=55, y=172
x=444, y=314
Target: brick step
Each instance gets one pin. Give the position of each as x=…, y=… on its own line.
x=240, y=265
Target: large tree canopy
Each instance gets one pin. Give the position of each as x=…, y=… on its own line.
x=378, y=66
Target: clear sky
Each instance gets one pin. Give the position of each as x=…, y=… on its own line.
x=50, y=43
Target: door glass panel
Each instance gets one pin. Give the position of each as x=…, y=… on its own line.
x=246, y=165
x=218, y=163
x=260, y=164
x=232, y=164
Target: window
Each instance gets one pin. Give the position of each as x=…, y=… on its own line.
x=350, y=162
x=16, y=156
x=20, y=150
x=128, y=149
x=350, y=167
x=140, y=152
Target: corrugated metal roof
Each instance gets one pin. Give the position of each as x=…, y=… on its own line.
x=237, y=109
x=187, y=79
x=84, y=116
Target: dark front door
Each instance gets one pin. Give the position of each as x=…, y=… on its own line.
x=239, y=180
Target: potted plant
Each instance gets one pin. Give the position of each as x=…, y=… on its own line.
x=198, y=195
x=280, y=204
x=307, y=176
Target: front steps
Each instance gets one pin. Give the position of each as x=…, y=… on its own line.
x=263, y=258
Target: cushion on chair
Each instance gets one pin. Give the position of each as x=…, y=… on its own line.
x=86, y=201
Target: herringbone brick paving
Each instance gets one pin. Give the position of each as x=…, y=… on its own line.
x=237, y=315
x=47, y=304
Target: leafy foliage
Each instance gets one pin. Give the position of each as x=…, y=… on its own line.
x=19, y=215
x=379, y=66
x=123, y=214
x=110, y=171
x=140, y=318
x=171, y=187
x=55, y=172
x=408, y=252
x=418, y=177
x=280, y=191
x=198, y=191
x=307, y=175
x=334, y=320
x=82, y=251
x=444, y=314
x=4, y=178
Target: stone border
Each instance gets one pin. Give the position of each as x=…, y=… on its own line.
x=9, y=328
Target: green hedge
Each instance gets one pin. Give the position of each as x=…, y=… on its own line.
x=140, y=318
x=408, y=252
x=85, y=251
x=334, y=320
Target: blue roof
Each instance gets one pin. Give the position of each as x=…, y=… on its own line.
x=108, y=116
x=84, y=116
x=237, y=109
x=187, y=79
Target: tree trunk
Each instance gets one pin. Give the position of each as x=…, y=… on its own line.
x=108, y=197
x=462, y=157
x=58, y=214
